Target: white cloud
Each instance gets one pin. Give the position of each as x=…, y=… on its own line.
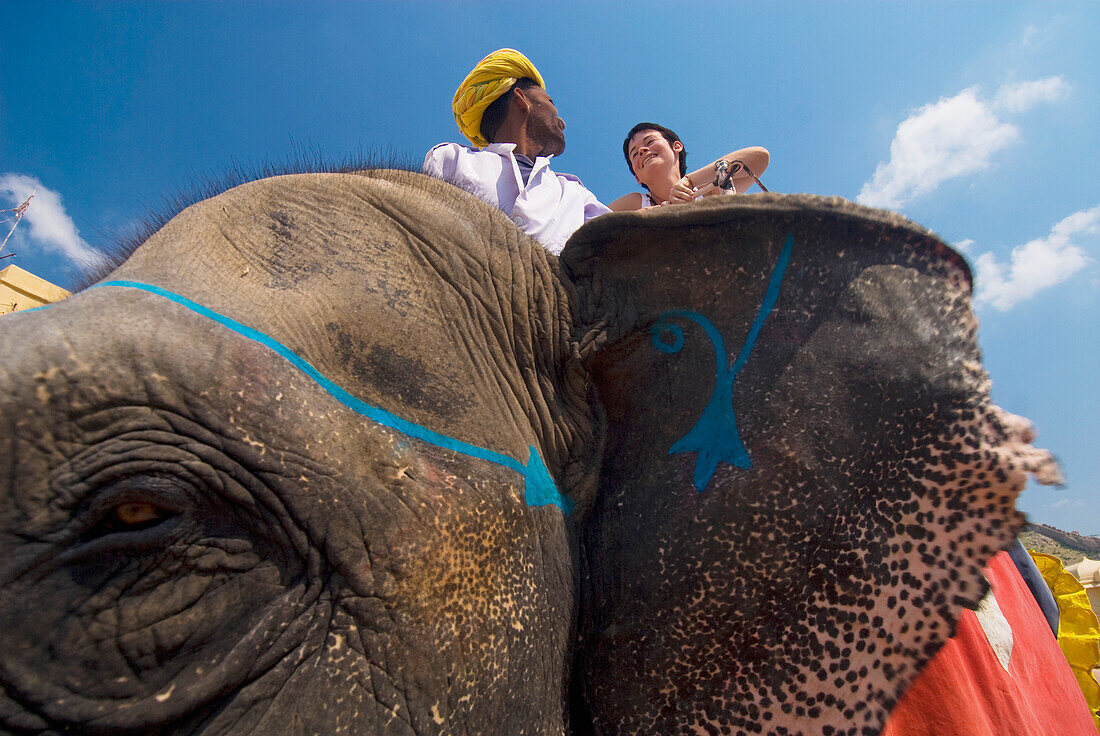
x=1038, y=264
x=45, y=223
x=1020, y=97
x=952, y=137
x=963, y=246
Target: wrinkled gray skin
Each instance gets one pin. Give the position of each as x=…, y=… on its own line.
x=197, y=537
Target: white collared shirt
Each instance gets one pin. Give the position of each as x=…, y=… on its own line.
x=549, y=207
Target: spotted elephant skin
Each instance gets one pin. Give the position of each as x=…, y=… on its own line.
x=798, y=586
x=348, y=453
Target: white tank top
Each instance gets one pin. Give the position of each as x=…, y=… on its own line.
x=647, y=201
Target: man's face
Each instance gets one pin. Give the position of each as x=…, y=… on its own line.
x=543, y=124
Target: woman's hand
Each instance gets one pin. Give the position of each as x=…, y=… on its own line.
x=681, y=192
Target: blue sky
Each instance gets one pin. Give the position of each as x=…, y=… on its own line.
x=979, y=120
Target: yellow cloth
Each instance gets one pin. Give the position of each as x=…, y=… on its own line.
x=493, y=76
x=1078, y=628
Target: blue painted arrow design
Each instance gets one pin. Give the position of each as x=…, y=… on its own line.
x=715, y=438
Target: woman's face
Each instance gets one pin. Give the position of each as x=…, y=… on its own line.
x=652, y=157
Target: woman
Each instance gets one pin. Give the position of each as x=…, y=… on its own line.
x=658, y=161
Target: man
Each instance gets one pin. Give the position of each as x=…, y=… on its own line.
x=503, y=109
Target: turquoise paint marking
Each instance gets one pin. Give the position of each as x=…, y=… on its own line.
x=539, y=487
x=715, y=438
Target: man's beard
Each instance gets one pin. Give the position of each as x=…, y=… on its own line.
x=551, y=139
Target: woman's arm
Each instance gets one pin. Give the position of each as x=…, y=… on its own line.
x=754, y=157
x=627, y=202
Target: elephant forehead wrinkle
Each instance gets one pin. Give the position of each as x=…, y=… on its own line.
x=414, y=380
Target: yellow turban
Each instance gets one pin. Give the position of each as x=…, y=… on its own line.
x=493, y=76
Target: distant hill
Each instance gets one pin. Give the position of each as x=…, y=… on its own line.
x=1069, y=547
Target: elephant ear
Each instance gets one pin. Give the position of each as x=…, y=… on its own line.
x=803, y=474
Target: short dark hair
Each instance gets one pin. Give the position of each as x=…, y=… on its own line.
x=668, y=135
x=497, y=110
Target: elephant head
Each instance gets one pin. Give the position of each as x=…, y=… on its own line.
x=348, y=452
x=287, y=470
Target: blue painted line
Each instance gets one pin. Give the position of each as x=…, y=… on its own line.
x=766, y=307
x=714, y=437
x=539, y=486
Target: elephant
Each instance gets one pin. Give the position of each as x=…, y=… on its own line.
x=347, y=452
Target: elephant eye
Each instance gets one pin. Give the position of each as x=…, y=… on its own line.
x=138, y=515
x=131, y=516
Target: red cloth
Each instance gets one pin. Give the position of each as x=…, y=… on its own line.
x=965, y=691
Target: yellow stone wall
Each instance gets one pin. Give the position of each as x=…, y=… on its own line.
x=21, y=290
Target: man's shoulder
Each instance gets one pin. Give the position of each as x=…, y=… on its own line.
x=445, y=160
x=572, y=178
x=568, y=177
x=449, y=149
x=454, y=153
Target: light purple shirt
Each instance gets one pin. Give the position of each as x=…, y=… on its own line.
x=549, y=207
